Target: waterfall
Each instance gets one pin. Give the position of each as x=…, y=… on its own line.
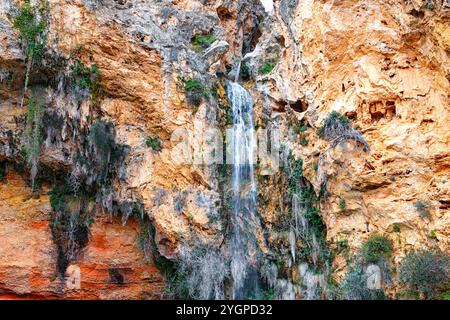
x=244, y=221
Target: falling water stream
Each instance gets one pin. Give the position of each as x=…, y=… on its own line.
x=244, y=221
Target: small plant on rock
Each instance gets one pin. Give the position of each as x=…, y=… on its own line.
x=31, y=23
x=195, y=91
x=154, y=143
x=337, y=128
x=245, y=71
x=376, y=248
x=354, y=286
x=304, y=141
x=342, y=203
x=425, y=271
x=203, y=41
x=302, y=127
x=84, y=78
x=342, y=245
x=267, y=68
x=423, y=208
x=316, y=166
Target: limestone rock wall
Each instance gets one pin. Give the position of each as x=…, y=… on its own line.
x=383, y=64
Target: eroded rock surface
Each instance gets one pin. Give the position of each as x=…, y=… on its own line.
x=383, y=64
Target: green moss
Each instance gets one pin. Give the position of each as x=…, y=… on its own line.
x=267, y=68
x=376, y=247
x=203, y=41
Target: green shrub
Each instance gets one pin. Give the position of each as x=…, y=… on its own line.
x=302, y=127
x=57, y=194
x=396, y=228
x=304, y=141
x=337, y=128
x=295, y=168
x=315, y=222
x=195, y=91
x=446, y=295
x=316, y=167
x=425, y=271
x=154, y=143
x=84, y=77
x=267, y=68
x=376, y=248
x=342, y=203
x=268, y=294
x=354, y=286
x=194, y=85
x=342, y=245
x=245, y=71
x=31, y=24
x=422, y=207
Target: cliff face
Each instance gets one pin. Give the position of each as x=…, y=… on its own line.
x=385, y=66
x=123, y=84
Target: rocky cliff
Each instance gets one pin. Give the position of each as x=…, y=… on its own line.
x=106, y=110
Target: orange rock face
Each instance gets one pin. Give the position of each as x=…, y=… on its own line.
x=110, y=267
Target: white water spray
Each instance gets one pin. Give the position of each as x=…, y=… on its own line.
x=244, y=220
